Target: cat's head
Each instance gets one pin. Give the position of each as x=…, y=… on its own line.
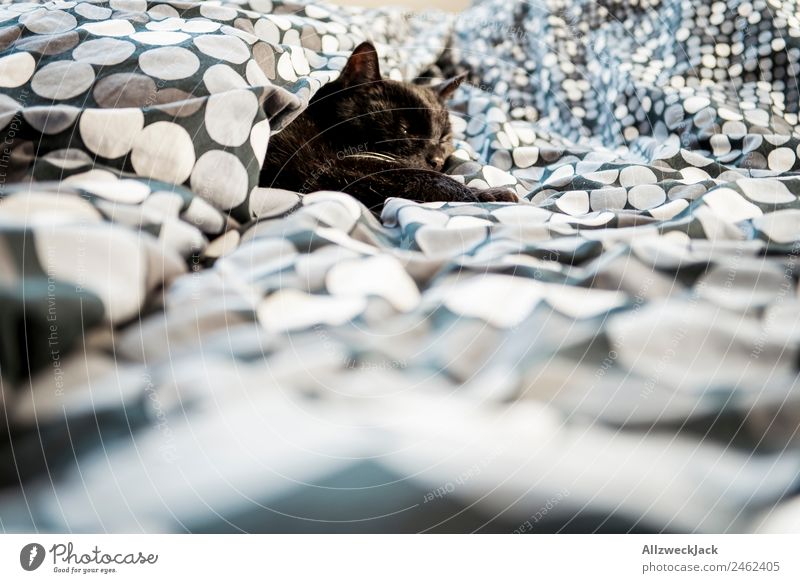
x=398, y=120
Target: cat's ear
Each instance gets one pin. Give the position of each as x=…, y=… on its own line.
x=362, y=66
x=447, y=88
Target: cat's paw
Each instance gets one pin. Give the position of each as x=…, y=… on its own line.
x=498, y=194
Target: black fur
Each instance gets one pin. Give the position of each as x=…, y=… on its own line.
x=372, y=138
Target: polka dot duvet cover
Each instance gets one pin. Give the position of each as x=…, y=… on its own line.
x=619, y=347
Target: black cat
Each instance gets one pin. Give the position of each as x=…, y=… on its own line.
x=372, y=138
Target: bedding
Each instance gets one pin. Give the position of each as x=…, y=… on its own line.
x=183, y=351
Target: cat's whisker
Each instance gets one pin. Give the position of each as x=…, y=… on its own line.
x=373, y=156
x=383, y=154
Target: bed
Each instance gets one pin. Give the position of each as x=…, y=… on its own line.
x=183, y=351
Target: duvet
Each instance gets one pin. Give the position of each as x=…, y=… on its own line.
x=183, y=351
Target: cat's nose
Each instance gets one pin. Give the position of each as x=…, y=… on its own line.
x=436, y=161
